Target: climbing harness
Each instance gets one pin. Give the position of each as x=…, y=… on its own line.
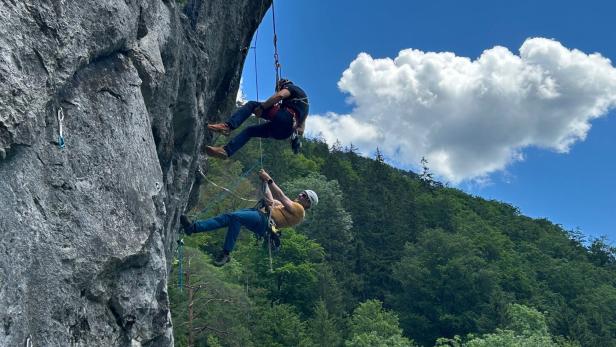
x=60, y=121
x=302, y=100
x=272, y=234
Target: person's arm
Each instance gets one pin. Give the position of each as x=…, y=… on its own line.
x=276, y=192
x=273, y=100
x=269, y=199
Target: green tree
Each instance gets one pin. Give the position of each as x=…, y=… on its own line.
x=279, y=326
x=449, y=263
x=601, y=253
x=329, y=224
x=295, y=276
x=208, y=305
x=448, y=288
x=525, y=327
x=322, y=329
x=371, y=325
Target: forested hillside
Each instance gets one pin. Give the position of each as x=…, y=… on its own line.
x=388, y=258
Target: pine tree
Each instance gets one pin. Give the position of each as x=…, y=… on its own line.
x=427, y=177
x=379, y=156
x=322, y=328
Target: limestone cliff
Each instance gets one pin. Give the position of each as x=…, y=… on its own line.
x=87, y=232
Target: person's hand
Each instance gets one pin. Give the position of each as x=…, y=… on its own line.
x=258, y=111
x=264, y=176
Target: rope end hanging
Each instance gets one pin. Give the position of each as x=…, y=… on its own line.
x=60, y=124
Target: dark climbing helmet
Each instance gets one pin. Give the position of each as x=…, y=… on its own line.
x=283, y=82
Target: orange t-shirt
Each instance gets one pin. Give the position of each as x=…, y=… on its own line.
x=285, y=218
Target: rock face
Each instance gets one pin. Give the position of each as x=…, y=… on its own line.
x=87, y=232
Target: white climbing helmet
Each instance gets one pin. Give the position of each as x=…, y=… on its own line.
x=312, y=196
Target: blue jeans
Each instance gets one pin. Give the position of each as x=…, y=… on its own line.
x=279, y=128
x=250, y=218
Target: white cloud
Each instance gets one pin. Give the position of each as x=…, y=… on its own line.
x=471, y=118
x=240, y=98
x=344, y=128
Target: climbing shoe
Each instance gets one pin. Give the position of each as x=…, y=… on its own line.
x=216, y=152
x=222, y=259
x=186, y=224
x=221, y=128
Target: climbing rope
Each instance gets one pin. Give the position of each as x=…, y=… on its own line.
x=277, y=65
x=269, y=250
x=262, y=203
x=257, y=89
x=60, y=123
x=254, y=50
x=226, y=191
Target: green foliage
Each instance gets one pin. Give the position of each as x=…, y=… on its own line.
x=295, y=279
x=373, y=340
x=526, y=321
x=458, y=270
x=510, y=339
x=322, y=329
x=280, y=326
x=446, y=268
x=601, y=253
x=371, y=325
x=329, y=224
x=370, y=316
x=525, y=327
x=219, y=307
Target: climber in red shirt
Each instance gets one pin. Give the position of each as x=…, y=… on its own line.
x=285, y=111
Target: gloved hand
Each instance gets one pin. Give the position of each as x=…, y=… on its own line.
x=258, y=110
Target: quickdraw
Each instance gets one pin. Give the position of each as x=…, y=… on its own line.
x=60, y=123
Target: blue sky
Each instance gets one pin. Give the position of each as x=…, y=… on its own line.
x=566, y=176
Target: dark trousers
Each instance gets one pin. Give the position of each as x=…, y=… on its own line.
x=280, y=127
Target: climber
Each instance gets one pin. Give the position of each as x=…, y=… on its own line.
x=285, y=111
x=284, y=213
